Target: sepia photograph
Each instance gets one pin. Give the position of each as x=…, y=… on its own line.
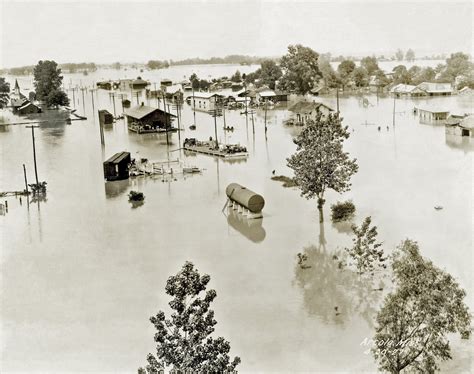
x=239, y=186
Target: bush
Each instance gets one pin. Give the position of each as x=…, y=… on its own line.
x=136, y=196
x=342, y=211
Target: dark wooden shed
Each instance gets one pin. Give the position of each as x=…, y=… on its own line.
x=143, y=119
x=116, y=167
x=105, y=117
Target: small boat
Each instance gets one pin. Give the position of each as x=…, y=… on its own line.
x=438, y=207
x=192, y=127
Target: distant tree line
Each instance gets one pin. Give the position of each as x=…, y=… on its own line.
x=75, y=67
x=157, y=64
x=231, y=59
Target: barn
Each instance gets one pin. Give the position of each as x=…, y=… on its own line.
x=144, y=119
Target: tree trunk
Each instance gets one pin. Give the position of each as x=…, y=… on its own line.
x=321, y=202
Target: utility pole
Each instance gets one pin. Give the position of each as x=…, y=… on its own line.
x=393, y=119
x=34, y=150
x=179, y=125
x=337, y=98
x=194, y=105
x=214, y=114
x=266, y=107
x=166, y=117
x=26, y=180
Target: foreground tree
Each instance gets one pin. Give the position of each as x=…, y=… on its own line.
x=184, y=342
x=320, y=162
x=365, y=252
x=414, y=321
x=48, y=80
x=4, y=92
x=301, y=70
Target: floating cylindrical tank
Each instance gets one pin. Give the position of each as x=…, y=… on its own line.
x=245, y=197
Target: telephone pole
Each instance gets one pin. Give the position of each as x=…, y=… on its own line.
x=34, y=150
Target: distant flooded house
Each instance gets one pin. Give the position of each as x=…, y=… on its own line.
x=304, y=111
x=205, y=101
x=166, y=82
x=106, y=85
x=145, y=119
x=431, y=115
x=407, y=90
x=461, y=127
x=436, y=89
x=134, y=84
x=173, y=92
x=20, y=104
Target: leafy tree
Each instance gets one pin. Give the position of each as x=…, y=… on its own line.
x=413, y=324
x=360, y=76
x=320, y=162
x=4, y=92
x=156, y=64
x=301, y=70
x=184, y=342
x=48, y=80
x=370, y=65
x=345, y=70
x=400, y=75
x=399, y=55
x=237, y=77
x=330, y=77
x=424, y=75
x=410, y=55
x=365, y=251
x=269, y=73
x=194, y=81
x=457, y=64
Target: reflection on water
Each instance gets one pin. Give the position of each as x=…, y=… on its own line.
x=332, y=292
x=464, y=143
x=116, y=188
x=252, y=229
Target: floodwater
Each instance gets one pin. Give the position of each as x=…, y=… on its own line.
x=83, y=270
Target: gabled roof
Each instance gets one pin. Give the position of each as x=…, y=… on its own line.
x=306, y=106
x=267, y=93
x=26, y=105
x=118, y=157
x=141, y=111
x=403, y=88
x=432, y=87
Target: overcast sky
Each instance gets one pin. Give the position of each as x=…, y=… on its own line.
x=108, y=31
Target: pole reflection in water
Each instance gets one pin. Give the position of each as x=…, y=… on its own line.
x=252, y=229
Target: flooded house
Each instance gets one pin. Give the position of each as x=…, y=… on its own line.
x=431, y=115
x=304, y=111
x=205, y=101
x=105, y=85
x=166, y=83
x=134, y=84
x=407, y=90
x=173, y=93
x=28, y=108
x=460, y=126
x=117, y=166
x=144, y=119
x=436, y=89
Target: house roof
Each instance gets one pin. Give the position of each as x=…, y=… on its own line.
x=141, y=111
x=468, y=122
x=431, y=110
x=403, y=88
x=118, y=157
x=267, y=93
x=139, y=81
x=26, y=105
x=306, y=106
x=435, y=87
x=204, y=95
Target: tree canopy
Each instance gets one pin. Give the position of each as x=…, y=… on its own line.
x=301, y=70
x=4, y=92
x=48, y=81
x=345, y=69
x=369, y=64
x=320, y=162
x=413, y=324
x=410, y=55
x=183, y=341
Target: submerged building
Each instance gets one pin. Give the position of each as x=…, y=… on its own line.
x=145, y=119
